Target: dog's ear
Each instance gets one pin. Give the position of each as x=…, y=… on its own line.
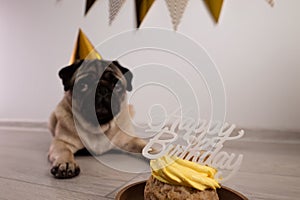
x=127, y=74
x=67, y=73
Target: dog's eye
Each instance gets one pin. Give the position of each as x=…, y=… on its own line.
x=118, y=87
x=83, y=87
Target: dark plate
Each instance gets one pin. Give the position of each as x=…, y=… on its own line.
x=135, y=191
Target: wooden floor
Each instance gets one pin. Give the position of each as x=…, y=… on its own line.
x=270, y=170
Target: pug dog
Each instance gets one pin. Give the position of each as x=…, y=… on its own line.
x=93, y=114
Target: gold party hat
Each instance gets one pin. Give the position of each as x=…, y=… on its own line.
x=84, y=49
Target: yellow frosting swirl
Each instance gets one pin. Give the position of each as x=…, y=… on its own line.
x=176, y=171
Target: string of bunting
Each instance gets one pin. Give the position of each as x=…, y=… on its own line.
x=176, y=9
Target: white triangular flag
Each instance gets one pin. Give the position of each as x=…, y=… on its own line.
x=176, y=9
x=114, y=8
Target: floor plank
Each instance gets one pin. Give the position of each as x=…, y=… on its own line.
x=265, y=186
x=271, y=158
x=270, y=169
x=16, y=190
x=24, y=157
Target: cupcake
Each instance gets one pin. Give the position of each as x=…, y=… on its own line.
x=174, y=179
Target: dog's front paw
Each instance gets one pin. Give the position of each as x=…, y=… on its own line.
x=136, y=145
x=65, y=170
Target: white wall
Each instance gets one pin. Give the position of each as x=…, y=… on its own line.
x=255, y=47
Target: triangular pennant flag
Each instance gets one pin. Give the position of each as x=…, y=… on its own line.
x=142, y=7
x=214, y=7
x=83, y=49
x=88, y=5
x=176, y=9
x=114, y=8
x=271, y=2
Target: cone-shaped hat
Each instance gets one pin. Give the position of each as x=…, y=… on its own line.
x=84, y=49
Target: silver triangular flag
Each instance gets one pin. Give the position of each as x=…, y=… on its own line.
x=176, y=9
x=114, y=8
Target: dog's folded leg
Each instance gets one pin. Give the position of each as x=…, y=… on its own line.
x=61, y=155
x=128, y=143
x=134, y=145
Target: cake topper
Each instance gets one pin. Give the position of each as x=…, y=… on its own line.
x=196, y=140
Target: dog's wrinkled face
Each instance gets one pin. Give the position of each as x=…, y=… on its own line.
x=98, y=87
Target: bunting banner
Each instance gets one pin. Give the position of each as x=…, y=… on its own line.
x=214, y=6
x=176, y=9
x=142, y=7
x=88, y=5
x=114, y=8
x=83, y=49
